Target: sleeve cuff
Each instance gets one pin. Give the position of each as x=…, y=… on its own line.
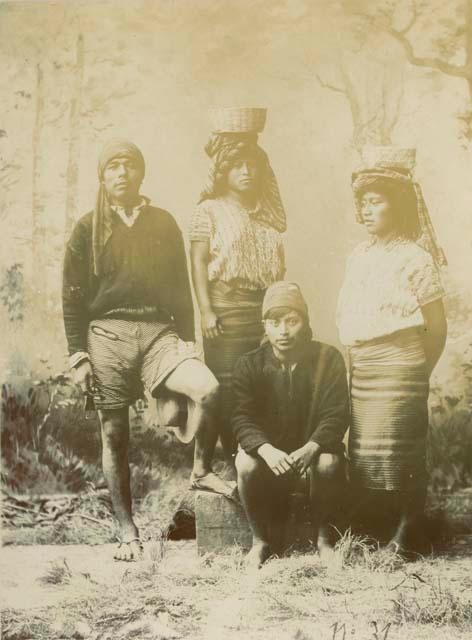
x=252, y=446
x=433, y=297
x=76, y=358
x=199, y=236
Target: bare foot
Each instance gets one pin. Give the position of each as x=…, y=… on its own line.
x=397, y=547
x=258, y=554
x=213, y=483
x=325, y=546
x=324, y=539
x=129, y=551
x=398, y=543
x=228, y=472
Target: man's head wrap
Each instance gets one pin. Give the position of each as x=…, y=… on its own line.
x=393, y=167
x=235, y=138
x=284, y=294
x=102, y=214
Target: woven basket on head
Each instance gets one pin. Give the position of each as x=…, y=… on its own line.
x=389, y=156
x=238, y=119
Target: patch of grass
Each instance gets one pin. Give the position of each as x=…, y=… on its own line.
x=355, y=550
x=232, y=560
x=434, y=604
x=361, y=551
x=173, y=592
x=73, y=531
x=17, y=626
x=91, y=520
x=309, y=572
x=85, y=518
x=58, y=572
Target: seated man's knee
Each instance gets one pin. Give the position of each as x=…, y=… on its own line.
x=328, y=466
x=247, y=465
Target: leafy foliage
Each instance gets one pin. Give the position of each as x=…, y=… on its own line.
x=12, y=292
x=450, y=445
x=48, y=445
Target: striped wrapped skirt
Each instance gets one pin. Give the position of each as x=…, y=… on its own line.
x=389, y=395
x=240, y=315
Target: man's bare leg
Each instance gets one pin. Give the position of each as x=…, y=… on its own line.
x=254, y=484
x=194, y=380
x=227, y=444
x=225, y=432
x=115, y=440
x=325, y=492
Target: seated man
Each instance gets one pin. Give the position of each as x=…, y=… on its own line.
x=129, y=324
x=291, y=413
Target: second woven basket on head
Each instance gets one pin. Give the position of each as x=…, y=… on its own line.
x=238, y=119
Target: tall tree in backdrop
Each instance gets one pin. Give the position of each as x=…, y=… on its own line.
x=433, y=34
x=73, y=160
x=359, y=67
x=450, y=36
x=372, y=87
x=366, y=73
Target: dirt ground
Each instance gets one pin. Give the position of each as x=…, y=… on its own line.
x=78, y=591
x=22, y=567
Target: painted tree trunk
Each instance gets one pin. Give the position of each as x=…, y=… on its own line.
x=37, y=223
x=374, y=104
x=74, y=139
x=468, y=48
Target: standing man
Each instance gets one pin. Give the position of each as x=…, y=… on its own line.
x=129, y=324
x=292, y=410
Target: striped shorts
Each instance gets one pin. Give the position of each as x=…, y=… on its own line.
x=128, y=356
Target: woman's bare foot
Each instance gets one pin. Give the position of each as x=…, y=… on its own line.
x=396, y=545
x=398, y=542
x=258, y=554
x=130, y=551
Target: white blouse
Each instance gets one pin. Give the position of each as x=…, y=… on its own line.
x=241, y=248
x=384, y=288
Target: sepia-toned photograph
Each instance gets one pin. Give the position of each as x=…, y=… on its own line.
x=236, y=319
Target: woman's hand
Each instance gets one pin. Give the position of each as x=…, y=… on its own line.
x=210, y=325
x=200, y=255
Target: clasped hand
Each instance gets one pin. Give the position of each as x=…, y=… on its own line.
x=280, y=462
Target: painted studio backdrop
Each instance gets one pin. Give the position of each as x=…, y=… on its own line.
x=333, y=75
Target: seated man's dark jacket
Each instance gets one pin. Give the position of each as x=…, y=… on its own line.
x=142, y=267
x=268, y=409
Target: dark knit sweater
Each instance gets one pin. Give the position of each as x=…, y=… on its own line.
x=143, y=266
x=271, y=408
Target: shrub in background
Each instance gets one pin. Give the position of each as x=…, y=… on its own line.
x=48, y=445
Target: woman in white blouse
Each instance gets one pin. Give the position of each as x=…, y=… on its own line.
x=391, y=319
x=236, y=248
